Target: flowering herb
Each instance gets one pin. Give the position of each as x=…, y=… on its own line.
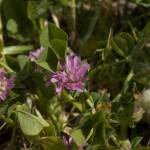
x=72, y=74
x=6, y=84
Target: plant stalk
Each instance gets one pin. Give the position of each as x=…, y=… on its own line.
x=12, y=142
x=73, y=13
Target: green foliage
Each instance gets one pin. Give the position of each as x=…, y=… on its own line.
x=29, y=124
x=112, y=112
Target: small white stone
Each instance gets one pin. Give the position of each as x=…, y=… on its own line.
x=146, y=99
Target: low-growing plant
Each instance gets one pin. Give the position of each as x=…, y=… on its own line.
x=74, y=75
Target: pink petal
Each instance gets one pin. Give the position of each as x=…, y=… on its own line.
x=79, y=86
x=54, y=80
x=77, y=62
x=83, y=69
x=58, y=89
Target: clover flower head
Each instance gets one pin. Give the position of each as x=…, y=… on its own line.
x=34, y=55
x=6, y=84
x=71, y=75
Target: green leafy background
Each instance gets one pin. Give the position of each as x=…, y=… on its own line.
x=113, y=37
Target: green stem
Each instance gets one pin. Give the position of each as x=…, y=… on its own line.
x=73, y=13
x=53, y=121
x=2, y=126
x=6, y=67
x=1, y=35
x=55, y=19
x=123, y=132
x=108, y=46
x=133, y=31
x=92, y=25
x=12, y=142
